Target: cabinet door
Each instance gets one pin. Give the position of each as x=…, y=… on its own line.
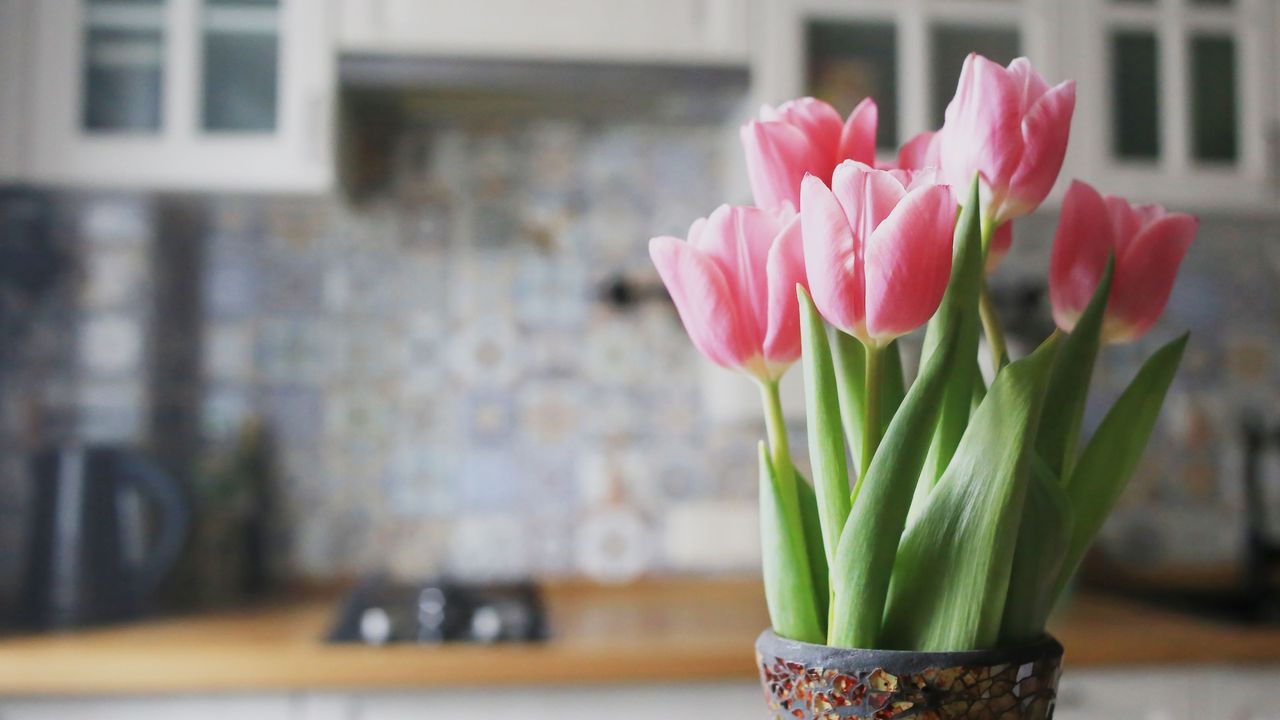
x=906, y=54
x=1240, y=694
x=637, y=30
x=1172, y=103
x=669, y=702
x=15, y=22
x=1130, y=694
x=183, y=94
x=188, y=708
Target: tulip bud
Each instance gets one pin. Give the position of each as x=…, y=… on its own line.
x=1149, y=244
x=804, y=136
x=733, y=281
x=877, y=246
x=1011, y=128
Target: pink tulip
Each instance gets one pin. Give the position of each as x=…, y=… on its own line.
x=1148, y=244
x=800, y=137
x=1008, y=125
x=1001, y=241
x=734, y=284
x=920, y=152
x=877, y=245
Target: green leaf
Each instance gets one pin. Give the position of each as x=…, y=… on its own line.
x=1111, y=456
x=1043, y=538
x=826, y=439
x=814, y=549
x=1069, y=385
x=788, y=586
x=850, y=359
x=952, y=570
x=865, y=555
x=894, y=385
x=851, y=376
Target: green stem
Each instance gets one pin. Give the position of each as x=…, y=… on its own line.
x=873, y=395
x=991, y=326
x=987, y=309
x=776, y=426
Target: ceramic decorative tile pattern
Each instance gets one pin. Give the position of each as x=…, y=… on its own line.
x=449, y=390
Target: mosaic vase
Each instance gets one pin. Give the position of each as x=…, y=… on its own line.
x=804, y=681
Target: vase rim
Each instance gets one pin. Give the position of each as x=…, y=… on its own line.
x=770, y=644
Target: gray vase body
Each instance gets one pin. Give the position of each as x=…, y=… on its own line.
x=815, y=682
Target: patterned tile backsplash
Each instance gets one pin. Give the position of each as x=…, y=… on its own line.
x=448, y=391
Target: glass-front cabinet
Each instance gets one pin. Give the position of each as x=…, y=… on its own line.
x=1187, y=105
x=1177, y=101
x=183, y=94
x=905, y=53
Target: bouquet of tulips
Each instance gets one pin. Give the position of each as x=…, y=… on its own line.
x=947, y=513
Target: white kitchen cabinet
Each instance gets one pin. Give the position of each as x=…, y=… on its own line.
x=635, y=702
x=1146, y=694
x=648, y=31
x=905, y=53
x=1176, y=99
x=14, y=61
x=257, y=707
x=181, y=94
x=1239, y=694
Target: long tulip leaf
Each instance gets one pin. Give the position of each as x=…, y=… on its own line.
x=894, y=388
x=1043, y=538
x=826, y=438
x=814, y=548
x=851, y=376
x=1113, y=453
x=1069, y=385
x=951, y=575
x=788, y=587
x=864, y=560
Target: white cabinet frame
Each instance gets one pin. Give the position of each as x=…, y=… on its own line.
x=182, y=156
x=1175, y=177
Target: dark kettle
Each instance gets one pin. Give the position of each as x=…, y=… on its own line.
x=106, y=526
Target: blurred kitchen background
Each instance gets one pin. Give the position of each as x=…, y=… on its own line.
x=369, y=278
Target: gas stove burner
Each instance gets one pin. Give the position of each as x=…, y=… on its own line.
x=381, y=611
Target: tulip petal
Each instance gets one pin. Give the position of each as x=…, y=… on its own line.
x=858, y=137
x=1145, y=273
x=867, y=195
x=786, y=269
x=1084, y=238
x=820, y=123
x=983, y=129
x=1045, y=130
x=737, y=240
x=919, y=152
x=1032, y=84
x=908, y=263
x=831, y=256
x=702, y=298
x=778, y=155
x=1001, y=241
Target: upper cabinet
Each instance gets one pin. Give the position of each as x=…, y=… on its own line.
x=904, y=53
x=182, y=94
x=1177, y=100
x=1186, y=104
x=646, y=31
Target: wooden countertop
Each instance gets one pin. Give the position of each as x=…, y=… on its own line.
x=671, y=630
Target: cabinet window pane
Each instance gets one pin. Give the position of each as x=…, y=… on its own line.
x=123, y=65
x=849, y=61
x=241, y=57
x=1135, y=130
x=951, y=44
x=1213, y=97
